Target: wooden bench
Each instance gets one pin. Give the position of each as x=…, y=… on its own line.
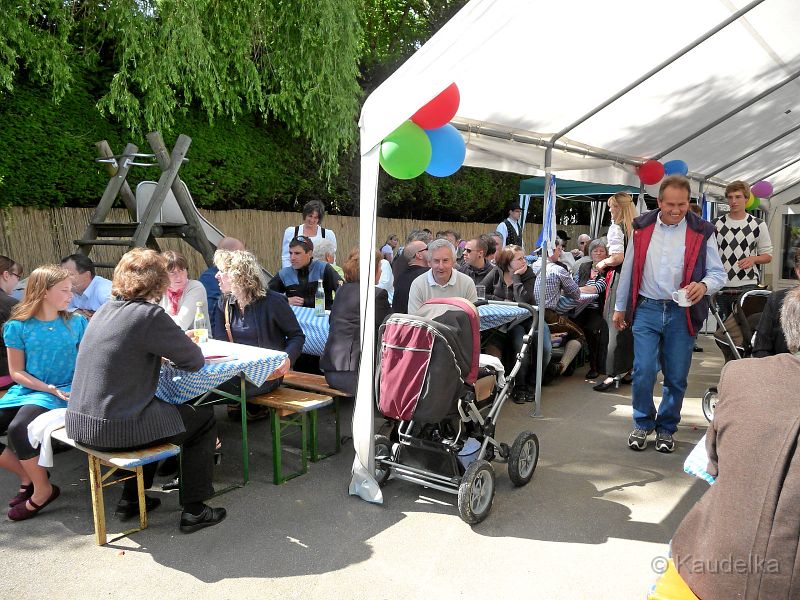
x=128, y=460
x=316, y=383
x=292, y=408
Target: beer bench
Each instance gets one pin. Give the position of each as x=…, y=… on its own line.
x=128, y=460
x=316, y=383
x=292, y=408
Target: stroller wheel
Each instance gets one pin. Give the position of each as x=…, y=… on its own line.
x=476, y=492
x=523, y=458
x=383, y=451
x=709, y=403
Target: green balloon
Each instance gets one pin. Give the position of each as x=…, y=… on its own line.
x=406, y=152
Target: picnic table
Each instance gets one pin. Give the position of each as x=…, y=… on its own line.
x=224, y=361
x=316, y=328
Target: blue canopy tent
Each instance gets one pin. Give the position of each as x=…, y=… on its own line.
x=567, y=188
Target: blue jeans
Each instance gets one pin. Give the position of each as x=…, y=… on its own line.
x=661, y=340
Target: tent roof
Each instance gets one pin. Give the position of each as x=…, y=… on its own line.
x=567, y=187
x=751, y=63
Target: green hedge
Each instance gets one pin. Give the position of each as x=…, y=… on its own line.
x=48, y=160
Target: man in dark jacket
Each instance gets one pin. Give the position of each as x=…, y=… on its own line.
x=299, y=281
x=769, y=335
x=416, y=257
x=475, y=263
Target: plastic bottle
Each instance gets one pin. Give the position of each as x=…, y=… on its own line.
x=200, y=325
x=319, y=300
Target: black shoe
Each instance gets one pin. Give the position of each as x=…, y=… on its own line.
x=592, y=375
x=127, y=509
x=256, y=412
x=627, y=380
x=175, y=484
x=210, y=516
x=697, y=348
x=168, y=467
x=604, y=386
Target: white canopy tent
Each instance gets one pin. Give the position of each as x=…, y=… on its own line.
x=588, y=90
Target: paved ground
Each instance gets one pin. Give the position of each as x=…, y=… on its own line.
x=588, y=525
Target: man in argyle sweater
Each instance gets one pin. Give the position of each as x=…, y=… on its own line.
x=744, y=243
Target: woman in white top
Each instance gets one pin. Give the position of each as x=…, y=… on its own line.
x=181, y=298
x=386, y=280
x=616, y=347
x=313, y=213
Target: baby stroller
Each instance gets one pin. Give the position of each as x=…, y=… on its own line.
x=443, y=406
x=734, y=336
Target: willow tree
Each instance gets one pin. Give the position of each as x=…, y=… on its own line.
x=292, y=60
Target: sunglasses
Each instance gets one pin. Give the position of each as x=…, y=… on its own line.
x=303, y=238
x=467, y=251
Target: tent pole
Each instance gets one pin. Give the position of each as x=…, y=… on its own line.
x=683, y=51
x=728, y=115
x=778, y=170
x=752, y=152
x=537, y=410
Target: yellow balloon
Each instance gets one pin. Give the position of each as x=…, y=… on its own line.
x=750, y=201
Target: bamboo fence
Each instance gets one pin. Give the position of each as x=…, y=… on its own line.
x=34, y=237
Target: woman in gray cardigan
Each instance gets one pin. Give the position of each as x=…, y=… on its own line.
x=113, y=404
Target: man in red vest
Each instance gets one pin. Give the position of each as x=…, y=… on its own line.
x=670, y=270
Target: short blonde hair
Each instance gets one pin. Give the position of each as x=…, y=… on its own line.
x=247, y=278
x=141, y=274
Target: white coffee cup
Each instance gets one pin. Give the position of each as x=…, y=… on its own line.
x=680, y=297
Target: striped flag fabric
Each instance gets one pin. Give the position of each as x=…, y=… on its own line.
x=548, y=234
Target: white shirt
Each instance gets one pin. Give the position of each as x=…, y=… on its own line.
x=289, y=234
x=663, y=267
x=386, y=281
x=93, y=297
x=503, y=230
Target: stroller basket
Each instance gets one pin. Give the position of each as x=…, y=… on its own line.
x=414, y=349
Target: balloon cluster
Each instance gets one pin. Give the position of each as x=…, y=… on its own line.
x=427, y=142
x=651, y=172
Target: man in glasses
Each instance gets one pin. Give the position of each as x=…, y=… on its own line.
x=300, y=279
x=475, y=264
x=89, y=290
x=415, y=255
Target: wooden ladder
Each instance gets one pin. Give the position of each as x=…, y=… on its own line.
x=144, y=232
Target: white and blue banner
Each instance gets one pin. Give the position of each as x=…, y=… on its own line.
x=705, y=207
x=548, y=236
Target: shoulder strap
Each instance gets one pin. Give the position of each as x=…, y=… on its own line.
x=323, y=232
x=228, y=320
x=296, y=230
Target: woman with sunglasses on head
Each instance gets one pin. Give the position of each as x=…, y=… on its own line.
x=512, y=280
x=42, y=341
x=10, y=274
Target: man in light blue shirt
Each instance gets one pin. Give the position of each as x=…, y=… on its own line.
x=89, y=291
x=673, y=249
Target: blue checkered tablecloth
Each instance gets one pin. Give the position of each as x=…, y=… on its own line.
x=176, y=386
x=316, y=328
x=697, y=462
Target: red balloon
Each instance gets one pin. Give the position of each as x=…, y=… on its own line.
x=440, y=110
x=650, y=172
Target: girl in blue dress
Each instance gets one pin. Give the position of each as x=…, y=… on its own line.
x=41, y=340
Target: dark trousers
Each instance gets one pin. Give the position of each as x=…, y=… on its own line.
x=16, y=421
x=728, y=297
x=197, y=455
x=346, y=381
x=592, y=323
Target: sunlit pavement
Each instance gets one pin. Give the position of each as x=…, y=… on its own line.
x=589, y=525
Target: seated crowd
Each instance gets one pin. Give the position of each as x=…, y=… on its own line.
x=74, y=338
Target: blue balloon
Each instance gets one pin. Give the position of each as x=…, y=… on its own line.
x=676, y=167
x=447, y=151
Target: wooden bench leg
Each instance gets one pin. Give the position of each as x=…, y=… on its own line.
x=142, y=502
x=98, y=508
